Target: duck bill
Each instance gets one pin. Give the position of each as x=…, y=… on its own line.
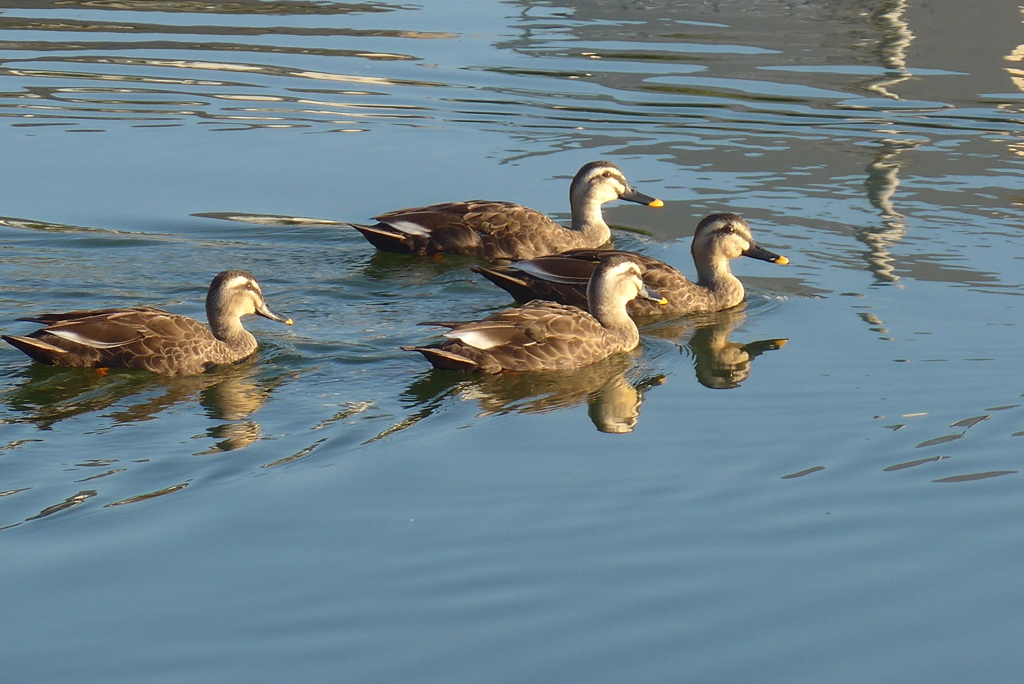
x=759, y=252
x=646, y=294
x=632, y=195
x=264, y=310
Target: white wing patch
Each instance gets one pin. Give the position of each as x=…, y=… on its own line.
x=481, y=339
x=72, y=336
x=408, y=227
x=537, y=270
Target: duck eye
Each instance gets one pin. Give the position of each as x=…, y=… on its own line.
x=607, y=174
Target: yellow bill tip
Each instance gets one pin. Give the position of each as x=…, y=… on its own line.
x=779, y=344
x=782, y=261
x=656, y=203
x=663, y=301
x=289, y=321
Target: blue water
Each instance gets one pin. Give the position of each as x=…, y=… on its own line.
x=822, y=485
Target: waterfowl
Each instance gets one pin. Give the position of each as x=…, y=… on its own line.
x=503, y=231
x=547, y=335
x=718, y=239
x=152, y=339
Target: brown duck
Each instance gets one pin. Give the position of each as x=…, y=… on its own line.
x=547, y=335
x=502, y=231
x=718, y=239
x=152, y=339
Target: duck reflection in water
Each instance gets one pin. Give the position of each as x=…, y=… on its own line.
x=613, y=390
x=50, y=394
x=718, y=362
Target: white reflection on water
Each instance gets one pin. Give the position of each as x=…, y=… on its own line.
x=882, y=183
x=895, y=46
x=1017, y=78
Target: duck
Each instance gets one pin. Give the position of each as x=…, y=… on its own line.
x=503, y=231
x=718, y=239
x=146, y=338
x=545, y=335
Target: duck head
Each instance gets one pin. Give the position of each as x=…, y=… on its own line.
x=601, y=182
x=617, y=280
x=234, y=294
x=727, y=236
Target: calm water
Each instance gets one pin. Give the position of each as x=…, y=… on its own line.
x=821, y=486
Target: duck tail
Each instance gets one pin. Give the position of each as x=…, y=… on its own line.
x=387, y=239
x=37, y=349
x=519, y=288
x=445, y=360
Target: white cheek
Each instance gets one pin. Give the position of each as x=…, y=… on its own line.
x=738, y=246
x=611, y=192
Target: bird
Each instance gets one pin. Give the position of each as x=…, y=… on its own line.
x=546, y=335
x=503, y=231
x=718, y=239
x=151, y=339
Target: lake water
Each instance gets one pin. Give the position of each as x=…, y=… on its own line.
x=821, y=486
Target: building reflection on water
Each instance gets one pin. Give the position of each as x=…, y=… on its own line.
x=1016, y=73
x=881, y=184
x=896, y=37
x=883, y=171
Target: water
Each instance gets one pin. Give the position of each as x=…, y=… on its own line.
x=820, y=486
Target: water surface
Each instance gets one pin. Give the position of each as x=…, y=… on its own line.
x=821, y=485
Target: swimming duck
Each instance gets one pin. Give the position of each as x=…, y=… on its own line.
x=152, y=339
x=719, y=238
x=547, y=335
x=502, y=231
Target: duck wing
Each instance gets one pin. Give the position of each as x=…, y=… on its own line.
x=488, y=229
x=109, y=329
x=144, y=338
x=52, y=318
x=559, y=278
x=539, y=336
x=564, y=277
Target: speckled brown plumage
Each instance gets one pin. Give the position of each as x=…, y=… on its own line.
x=547, y=335
x=151, y=339
x=719, y=238
x=502, y=231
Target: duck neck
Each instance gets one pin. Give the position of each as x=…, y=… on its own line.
x=613, y=316
x=228, y=329
x=716, y=277
x=588, y=220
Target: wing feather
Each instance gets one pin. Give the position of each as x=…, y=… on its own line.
x=564, y=277
x=489, y=229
